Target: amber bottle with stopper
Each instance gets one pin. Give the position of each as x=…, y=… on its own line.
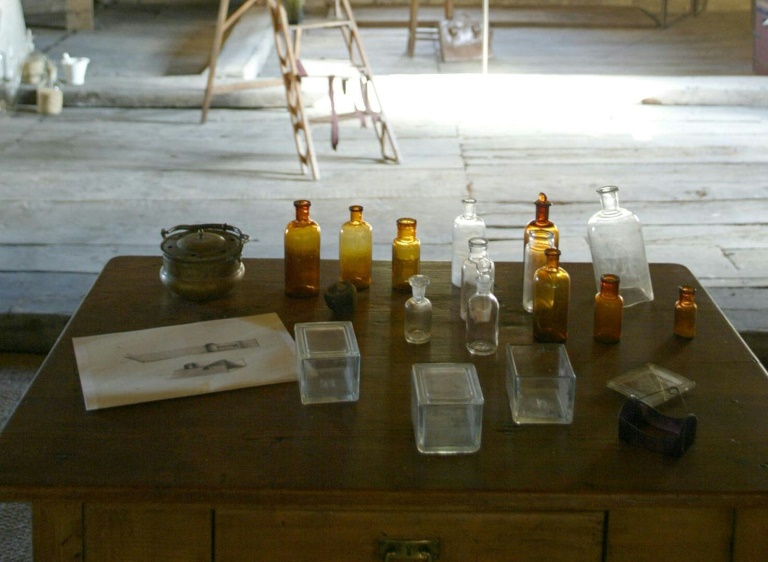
x=609, y=308
x=302, y=253
x=542, y=222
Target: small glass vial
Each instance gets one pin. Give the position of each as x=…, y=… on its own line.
x=685, y=312
x=465, y=227
x=551, y=293
x=538, y=242
x=470, y=269
x=483, y=319
x=609, y=306
x=541, y=222
x=356, y=249
x=418, y=312
x=302, y=253
x=406, y=254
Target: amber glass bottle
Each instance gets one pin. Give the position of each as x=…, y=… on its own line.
x=541, y=222
x=551, y=293
x=685, y=312
x=302, y=253
x=609, y=307
x=355, y=249
x=406, y=254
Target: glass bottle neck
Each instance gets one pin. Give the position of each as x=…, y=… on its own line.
x=553, y=259
x=541, y=239
x=470, y=208
x=609, y=199
x=687, y=295
x=406, y=229
x=542, y=209
x=355, y=214
x=484, y=285
x=419, y=285
x=302, y=210
x=609, y=286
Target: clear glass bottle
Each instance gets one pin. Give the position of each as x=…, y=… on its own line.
x=551, y=296
x=685, y=312
x=538, y=242
x=483, y=319
x=470, y=269
x=617, y=246
x=608, y=310
x=418, y=312
x=302, y=253
x=406, y=254
x=465, y=227
x=541, y=222
x=356, y=249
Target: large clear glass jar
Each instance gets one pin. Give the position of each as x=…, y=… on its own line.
x=470, y=269
x=538, y=242
x=465, y=227
x=685, y=312
x=302, y=253
x=551, y=296
x=617, y=246
x=541, y=222
x=418, y=312
x=608, y=310
x=356, y=249
x=406, y=254
x=482, y=322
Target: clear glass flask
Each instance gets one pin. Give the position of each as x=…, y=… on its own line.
x=551, y=296
x=302, y=253
x=356, y=249
x=465, y=227
x=478, y=250
x=609, y=308
x=483, y=319
x=538, y=242
x=418, y=312
x=617, y=246
x=406, y=254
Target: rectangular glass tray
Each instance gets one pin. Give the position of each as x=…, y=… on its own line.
x=651, y=384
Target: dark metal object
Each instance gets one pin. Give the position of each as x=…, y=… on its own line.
x=642, y=425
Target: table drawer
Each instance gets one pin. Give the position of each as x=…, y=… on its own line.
x=248, y=535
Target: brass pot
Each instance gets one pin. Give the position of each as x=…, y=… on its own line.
x=202, y=261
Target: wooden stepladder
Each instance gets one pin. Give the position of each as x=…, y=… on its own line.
x=352, y=76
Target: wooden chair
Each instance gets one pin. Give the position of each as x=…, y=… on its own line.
x=354, y=75
x=427, y=30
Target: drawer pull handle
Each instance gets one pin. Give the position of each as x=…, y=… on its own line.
x=392, y=550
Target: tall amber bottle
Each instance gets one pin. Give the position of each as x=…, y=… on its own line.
x=406, y=254
x=609, y=307
x=551, y=295
x=542, y=222
x=356, y=249
x=685, y=312
x=302, y=253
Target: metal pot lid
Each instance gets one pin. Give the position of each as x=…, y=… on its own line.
x=203, y=242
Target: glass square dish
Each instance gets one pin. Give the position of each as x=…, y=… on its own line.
x=651, y=384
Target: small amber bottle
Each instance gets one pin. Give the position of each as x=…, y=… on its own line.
x=302, y=253
x=406, y=254
x=356, y=249
x=609, y=307
x=685, y=312
x=542, y=222
x=551, y=295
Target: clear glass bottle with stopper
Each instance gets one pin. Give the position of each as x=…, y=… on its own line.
x=302, y=253
x=538, y=242
x=609, y=307
x=551, y=296
x=356, y=249
x=406, y=254
x=478, y=250
x=482, y=322
x=685, y=312
x=617, y=247
x=541, y=222
x=418, y=312
x=466, y=226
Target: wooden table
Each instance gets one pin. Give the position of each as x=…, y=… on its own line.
x=254, y=475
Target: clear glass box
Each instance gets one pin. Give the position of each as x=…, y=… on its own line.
x=328, y=362
x=541, y=384
x=446, y=407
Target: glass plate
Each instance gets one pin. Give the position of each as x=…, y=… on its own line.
x=651, y=384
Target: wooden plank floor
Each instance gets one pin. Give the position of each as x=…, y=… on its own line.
x=560, y=112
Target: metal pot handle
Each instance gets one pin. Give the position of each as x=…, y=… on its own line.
x=196, y=227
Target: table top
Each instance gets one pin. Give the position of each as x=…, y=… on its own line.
x=262, y=446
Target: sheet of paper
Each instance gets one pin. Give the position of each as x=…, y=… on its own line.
x=199, y=358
